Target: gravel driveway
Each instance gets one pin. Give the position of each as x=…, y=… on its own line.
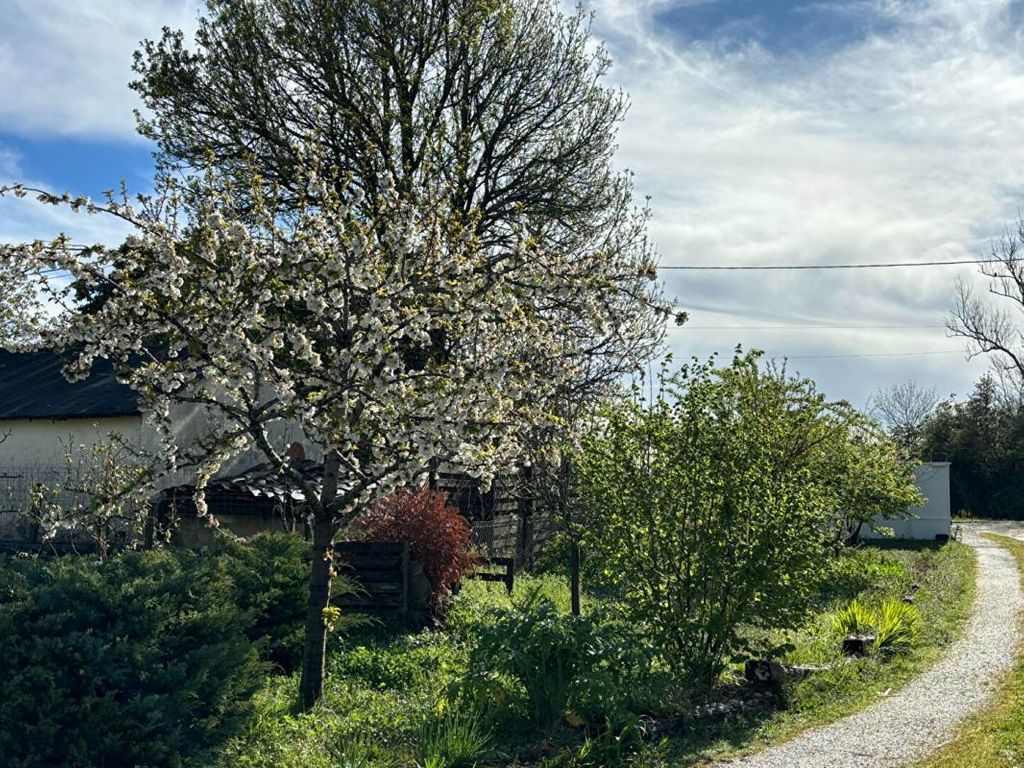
x=911, y=723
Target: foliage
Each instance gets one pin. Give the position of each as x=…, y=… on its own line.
x=854, y=619
x=558, y=663
x=144, y=659
x=617, y=746
x=438, y=535
x=270, y=571
x=383, y=688
x=705, y=508
x=505, y=106
x=21, y=312
x=453, y=741
x=898, y=626
x=983, y=438
x=102, y=494
x=868, y=476
x=412, y=285
x=894, y=624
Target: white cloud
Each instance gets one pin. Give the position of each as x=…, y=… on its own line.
x=65, y=66
x=899, y=146
x=10, y=163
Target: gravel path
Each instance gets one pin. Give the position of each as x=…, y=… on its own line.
x=911, y=723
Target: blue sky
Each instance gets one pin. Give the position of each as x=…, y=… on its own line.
x=797, y=131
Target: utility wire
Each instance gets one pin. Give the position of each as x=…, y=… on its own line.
x=881, y=265
x=687, y=326
x=876, y=354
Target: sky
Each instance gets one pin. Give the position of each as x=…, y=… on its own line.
x=763, y=131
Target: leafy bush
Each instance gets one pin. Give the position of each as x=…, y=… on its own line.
x=704, y=509
x=438, y=535
x=271, y=572
x=144, y=660
x=557, y=661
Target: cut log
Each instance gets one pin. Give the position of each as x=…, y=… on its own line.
x=762, y=671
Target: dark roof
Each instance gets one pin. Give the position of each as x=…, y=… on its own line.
x=261, y=480
x=33, y=387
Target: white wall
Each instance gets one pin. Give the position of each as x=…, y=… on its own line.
x=43, y=442
x=34, y=450
x=931, y=519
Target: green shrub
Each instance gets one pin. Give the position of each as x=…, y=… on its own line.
x=855, y=619
x=271, y=571
x=556, y=661
x=144, y=660
x=706, y=511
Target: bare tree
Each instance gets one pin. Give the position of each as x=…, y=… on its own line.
x=903, y=409
x=994, y=328
x=501, y=101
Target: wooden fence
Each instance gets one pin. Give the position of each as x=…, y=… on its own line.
x=392, y=583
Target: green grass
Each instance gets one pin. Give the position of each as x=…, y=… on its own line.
x=395, y=699
x=994, y=738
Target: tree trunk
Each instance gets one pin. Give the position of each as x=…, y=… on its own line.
x=311, y=688
x=565, y=510
x=574, y=577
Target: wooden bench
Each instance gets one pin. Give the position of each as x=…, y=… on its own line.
x=506, y=575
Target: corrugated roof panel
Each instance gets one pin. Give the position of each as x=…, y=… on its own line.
x=32, y=387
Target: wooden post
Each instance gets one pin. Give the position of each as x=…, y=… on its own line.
x=405, y=581
x=574, y=577
x=523, y=543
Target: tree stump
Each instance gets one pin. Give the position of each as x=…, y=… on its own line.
x=858, y=645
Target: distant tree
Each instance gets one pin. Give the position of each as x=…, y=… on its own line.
x=903, y=410
x=500, y=102
x=983, y=438
x=869, y=474
x=995, y=328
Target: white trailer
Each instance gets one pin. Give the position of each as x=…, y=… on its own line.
x=930, y=520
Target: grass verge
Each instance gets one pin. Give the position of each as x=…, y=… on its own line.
x=945, y=588
x=994, y=737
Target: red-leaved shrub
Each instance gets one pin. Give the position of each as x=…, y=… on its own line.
x=438, y=535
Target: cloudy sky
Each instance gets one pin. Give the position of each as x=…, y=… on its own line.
x=765, y=132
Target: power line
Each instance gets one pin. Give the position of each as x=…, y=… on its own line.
x=876, y=354
x=880, y=265
x=809, y=327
